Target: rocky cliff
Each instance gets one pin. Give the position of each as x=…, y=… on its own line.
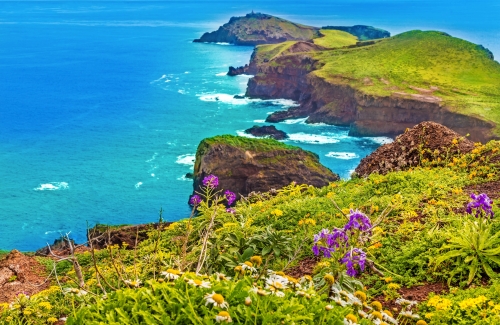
x=374, y=107
x=244, y=165
x=257, y=28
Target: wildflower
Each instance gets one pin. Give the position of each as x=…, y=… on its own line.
x=256, y=260
x=388, y=279
x=405, y=303
x=199, y=283
x=339, y=301
x=248, y=266
x=327, y=242
x=478, y=203
x=277, y=212
x=393, y=286
x=376, y=314
x=248, y=301
x=329, y=279
x=351, y=318
x=421, y=322
x=195, y=200
x=359, y=221
x=75, y=291
x=223, y=316
x=360, y=295
x=277, y=293
x=171, y=274
x=134, y=283
x=216, y=299
x=408, y=314
x=46, y=305
x=51, y=320
x=259, y=291
x=211, y=181
x=221, y=276
x=352, y=258
x=230, y=197
x=377, y=305
x=277, y=281
x=231, y=210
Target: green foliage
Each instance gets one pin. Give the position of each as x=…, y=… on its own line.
x=473, y=248
x=248, y=144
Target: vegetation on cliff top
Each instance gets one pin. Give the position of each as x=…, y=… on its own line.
x=433, y=64
x=244, y=143
x=214, y=267
x=335, y=38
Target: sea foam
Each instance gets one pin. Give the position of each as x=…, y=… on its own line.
x=53, y=186
x=342, y=155
x=302, y=137
x=187, y=159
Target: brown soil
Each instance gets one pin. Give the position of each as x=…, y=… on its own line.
x=417, y=293
x=305, y=267
x=130, y=235
x=404, y=152
x=492, y=189
x=21, y=274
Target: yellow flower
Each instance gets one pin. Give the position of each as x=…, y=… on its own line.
x=256, y=260
x=421, y=322
x=352, y=318
x=223, y=316
x=329, y=278
x=472, y=302
x=377, y=314
x=45, y=304
x=377, y=305
x=429, y=315
x=360, y=295
x=388, y=279
x=52, y=320
x=277, y=212
x=393, y=286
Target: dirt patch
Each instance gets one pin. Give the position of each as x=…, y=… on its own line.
x=417, y=293
x=305, y=267
x=427, y=140
x=492, y=189
x=21, y=274
x=102, y=236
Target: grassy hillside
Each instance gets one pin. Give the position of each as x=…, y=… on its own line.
x=466, y=79
x=335, y=38
x=206, y=269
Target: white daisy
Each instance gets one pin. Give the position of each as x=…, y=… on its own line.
x=134, y=283
x=216, y=299
x=171, y=274
x=199, y=283
x=224, y=317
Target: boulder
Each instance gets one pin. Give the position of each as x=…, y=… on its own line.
x=269, y=131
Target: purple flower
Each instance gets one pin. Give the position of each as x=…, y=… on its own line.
x=230, y=197
x=195, y=200
x=231, y=210
x=352, y=258
x=211, y=181
x=480, y=203
x=327, y=243
x=358, y=220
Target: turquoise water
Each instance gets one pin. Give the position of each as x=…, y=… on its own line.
x=102, y=104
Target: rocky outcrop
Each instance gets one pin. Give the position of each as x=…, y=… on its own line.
x=267, y=131
x=237, y=71
x=427, y=140
x=486, y=51
x=245, y=165
x=102, y=236
x=362, y=32
x=336, y=102
x=21, y=274
x=257, y=28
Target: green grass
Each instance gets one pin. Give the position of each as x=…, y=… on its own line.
x=335, y=38
x=270, y=51
x=248, y=144
x=468, y=81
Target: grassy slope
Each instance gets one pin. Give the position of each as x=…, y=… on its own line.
x=468, y=80
x=249, y=144
x=335, y=38
x=273, y=24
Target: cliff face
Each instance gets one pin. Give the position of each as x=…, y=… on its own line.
x=336, y=102
x=245, y=165
x=257, y=28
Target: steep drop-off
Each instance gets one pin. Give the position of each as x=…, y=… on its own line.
x=383, y=87
x=244, y=165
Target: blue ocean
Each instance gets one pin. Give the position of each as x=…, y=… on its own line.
x=103, y=104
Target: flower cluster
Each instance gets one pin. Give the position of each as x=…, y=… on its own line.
x=480, y=204
x=195, y=200
x=352, y=258
x=211, y=181
x=230, y=197
x=340, y=240
x=327, y=243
